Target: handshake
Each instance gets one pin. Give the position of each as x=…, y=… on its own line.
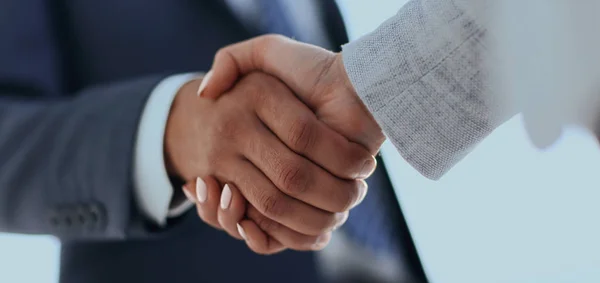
x=276, y=148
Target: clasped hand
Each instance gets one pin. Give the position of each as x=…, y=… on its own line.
x=277, y=146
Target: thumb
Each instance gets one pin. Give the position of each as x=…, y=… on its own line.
x=231, y=63
x=224, y=73
x=295, y=64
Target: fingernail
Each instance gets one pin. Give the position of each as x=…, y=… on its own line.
x=201, y=191
x=241, y=231
x=204, y=82
x=188, y=195
x=368, y=168
x=342, y=220
x=225, y=197
x=364, y=187
x=321, y=242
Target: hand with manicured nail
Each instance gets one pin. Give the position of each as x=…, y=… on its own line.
x=224, y=207
x=294, y=174
x=316, y=76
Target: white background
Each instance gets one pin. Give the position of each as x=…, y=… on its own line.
x=507, y=213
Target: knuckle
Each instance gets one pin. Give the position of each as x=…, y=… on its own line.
x=272, y=38
x=273, y=206
x=256, y=86
x=301, y=135
x=267, y=224
x=264, y=45
x=215, y=157
x=228, y=128
x=221, y=53
x=294, y=179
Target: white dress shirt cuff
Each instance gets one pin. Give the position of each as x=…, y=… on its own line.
x=152, y=186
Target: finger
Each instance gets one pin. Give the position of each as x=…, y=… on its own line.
x=206, y=193
x=300, y=178
x=226, y=69
x=287, y=237
x=271, y=202
x=298, y=127
x=257, y=240
x=272, y=54
x=232, y=208
x=315, y=75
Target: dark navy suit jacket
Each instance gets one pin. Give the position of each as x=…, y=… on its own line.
x=74, y=78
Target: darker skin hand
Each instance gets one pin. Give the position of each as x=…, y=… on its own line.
x=291, y=167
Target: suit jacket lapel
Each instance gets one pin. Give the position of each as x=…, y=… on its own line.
x=222, y=8
x=334, y=23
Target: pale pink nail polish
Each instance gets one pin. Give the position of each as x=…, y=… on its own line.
x=188, y=195
x=204, y=82
x=201, y=192
x=225, y=197
x=241, y=231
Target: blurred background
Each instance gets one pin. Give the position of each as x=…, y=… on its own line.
x=507, y=213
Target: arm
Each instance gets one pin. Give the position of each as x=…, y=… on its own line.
x=260, y=141
x=420, y=75
x=153, y=187
x=65, y=165
x=66, y=156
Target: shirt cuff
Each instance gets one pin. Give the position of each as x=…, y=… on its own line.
x=152, y=186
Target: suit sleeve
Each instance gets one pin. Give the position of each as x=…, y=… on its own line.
x=422, y=74
x=65, y=156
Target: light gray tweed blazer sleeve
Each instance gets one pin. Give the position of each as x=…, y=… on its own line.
x=421, y=75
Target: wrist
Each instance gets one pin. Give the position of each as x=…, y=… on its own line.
x=339, y=70
x=153, y=189
x=176, y=128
